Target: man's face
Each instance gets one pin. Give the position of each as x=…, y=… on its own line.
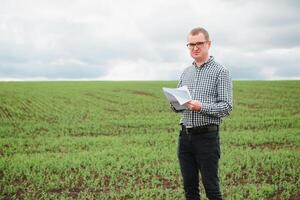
x=198, y=46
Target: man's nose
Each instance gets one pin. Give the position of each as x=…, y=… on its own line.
x=196, y=47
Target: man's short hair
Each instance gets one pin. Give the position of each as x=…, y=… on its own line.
x=198, y=30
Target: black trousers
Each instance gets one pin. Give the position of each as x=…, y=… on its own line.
x=199, y=152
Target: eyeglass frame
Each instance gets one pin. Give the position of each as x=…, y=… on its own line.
x=197, y=44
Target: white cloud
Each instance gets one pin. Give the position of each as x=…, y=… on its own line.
x=145, y=40
x=141, y=70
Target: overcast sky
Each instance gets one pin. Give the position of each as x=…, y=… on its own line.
x=145, y=40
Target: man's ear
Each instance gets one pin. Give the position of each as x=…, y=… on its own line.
x=209, y=44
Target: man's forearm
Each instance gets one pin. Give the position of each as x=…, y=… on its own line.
x=220, y=109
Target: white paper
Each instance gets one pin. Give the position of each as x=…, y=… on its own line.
x=178, y=96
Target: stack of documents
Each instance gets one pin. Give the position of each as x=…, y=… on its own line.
x=178, y=96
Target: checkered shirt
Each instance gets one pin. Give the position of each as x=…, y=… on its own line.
x=210, y=84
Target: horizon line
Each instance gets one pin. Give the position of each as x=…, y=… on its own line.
x=111, y=80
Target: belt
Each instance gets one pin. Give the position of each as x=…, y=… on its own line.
x=200, y=129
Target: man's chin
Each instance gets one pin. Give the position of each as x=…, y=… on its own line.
x=197, y=57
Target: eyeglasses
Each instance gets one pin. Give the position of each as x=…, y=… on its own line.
x=197, y=44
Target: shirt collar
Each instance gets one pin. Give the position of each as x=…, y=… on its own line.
x=211, y=58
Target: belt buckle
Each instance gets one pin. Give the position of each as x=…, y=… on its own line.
x=187, y=128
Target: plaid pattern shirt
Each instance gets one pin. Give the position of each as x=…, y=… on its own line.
x=210, y=84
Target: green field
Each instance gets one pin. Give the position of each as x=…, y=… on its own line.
x=118, y=140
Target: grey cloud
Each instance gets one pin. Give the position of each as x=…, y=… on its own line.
x=259, y=25
x=51, y=71
x=262, y=65
x=287, y=70
x=80, y=46
x=245, y=73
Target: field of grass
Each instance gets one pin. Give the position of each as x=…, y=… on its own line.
x=118, y=140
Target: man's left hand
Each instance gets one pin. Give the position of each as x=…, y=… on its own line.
x=194, y=105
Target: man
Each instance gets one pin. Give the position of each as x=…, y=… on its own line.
x=210, y=87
